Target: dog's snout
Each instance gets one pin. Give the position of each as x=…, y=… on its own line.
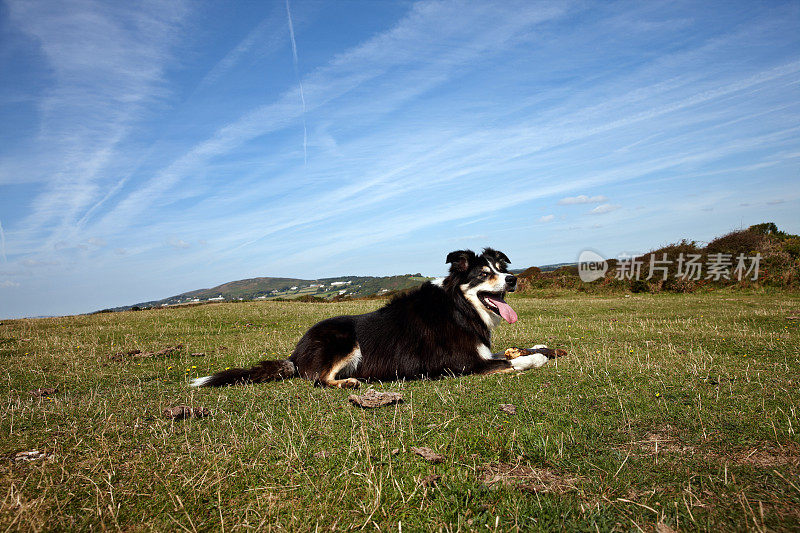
x=511, y=282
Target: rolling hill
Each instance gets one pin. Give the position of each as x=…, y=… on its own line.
x=268, y=288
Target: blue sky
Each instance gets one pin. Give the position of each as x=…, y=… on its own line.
x=154, y=148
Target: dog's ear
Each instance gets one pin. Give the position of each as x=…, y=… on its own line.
x=497, y=255
x=460, y=260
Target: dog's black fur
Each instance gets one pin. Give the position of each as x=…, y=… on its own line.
x=433, y=331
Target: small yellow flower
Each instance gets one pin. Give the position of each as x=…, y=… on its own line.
x=658, y=394
x=194, y=367
x=169, y=368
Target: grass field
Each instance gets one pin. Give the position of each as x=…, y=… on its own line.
x=678, y=410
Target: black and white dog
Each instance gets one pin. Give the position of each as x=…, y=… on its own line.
x=441, y=328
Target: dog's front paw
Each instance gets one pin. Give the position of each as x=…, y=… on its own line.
x=349, y=383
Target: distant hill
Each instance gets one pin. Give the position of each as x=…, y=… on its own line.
x=267, y=288
x=544, y=268
x=715, y=265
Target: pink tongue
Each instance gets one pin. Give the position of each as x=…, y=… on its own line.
x=508, y=314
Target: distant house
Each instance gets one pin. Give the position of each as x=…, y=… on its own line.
x=216, y=298
x=293, y=288
x=339, y=283
x=342, y=291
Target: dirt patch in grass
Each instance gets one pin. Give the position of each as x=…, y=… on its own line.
x=663, y=439
x=766, y=456
x=44, y=392
x=134, y=354
x=529, y=478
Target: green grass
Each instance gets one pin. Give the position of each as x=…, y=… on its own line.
x=679, y=409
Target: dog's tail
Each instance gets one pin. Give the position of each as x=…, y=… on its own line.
x=263, y=371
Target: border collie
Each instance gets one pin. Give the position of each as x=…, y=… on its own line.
x=441, y=328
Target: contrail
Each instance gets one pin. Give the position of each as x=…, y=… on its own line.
x=3, y=243
x=299, y=82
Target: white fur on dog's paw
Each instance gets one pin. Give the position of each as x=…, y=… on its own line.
x=534, y=360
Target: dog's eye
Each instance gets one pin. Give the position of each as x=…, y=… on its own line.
x=483, y=274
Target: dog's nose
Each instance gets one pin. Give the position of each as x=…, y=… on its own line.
x=511, y=282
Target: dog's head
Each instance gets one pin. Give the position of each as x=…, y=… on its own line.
x=484, y=280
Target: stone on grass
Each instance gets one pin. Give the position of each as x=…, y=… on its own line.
x=181, y=412
x=373, y=398
x=428, y=454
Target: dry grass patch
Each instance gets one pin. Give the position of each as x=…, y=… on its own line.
x=530, y=478
x=665, y=440
x=766, y=455
x=661, y=440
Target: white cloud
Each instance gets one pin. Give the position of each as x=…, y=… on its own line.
x=547, y=218
x=179, y=244
x=604, y=208
x=96, y=241
x=582, y=199
x=7, y=284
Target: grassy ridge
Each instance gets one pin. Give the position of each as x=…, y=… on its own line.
x=289, y=288
x=680, y=409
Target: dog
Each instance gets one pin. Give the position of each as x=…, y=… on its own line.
x=441, y=328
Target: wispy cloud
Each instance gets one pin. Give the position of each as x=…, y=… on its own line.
x=299, y=82
x=413, y=44
x=179, y=244
x=266, y=37
x=107, y=63
x=604, y=208
x=547, y=218
x=582, y=199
